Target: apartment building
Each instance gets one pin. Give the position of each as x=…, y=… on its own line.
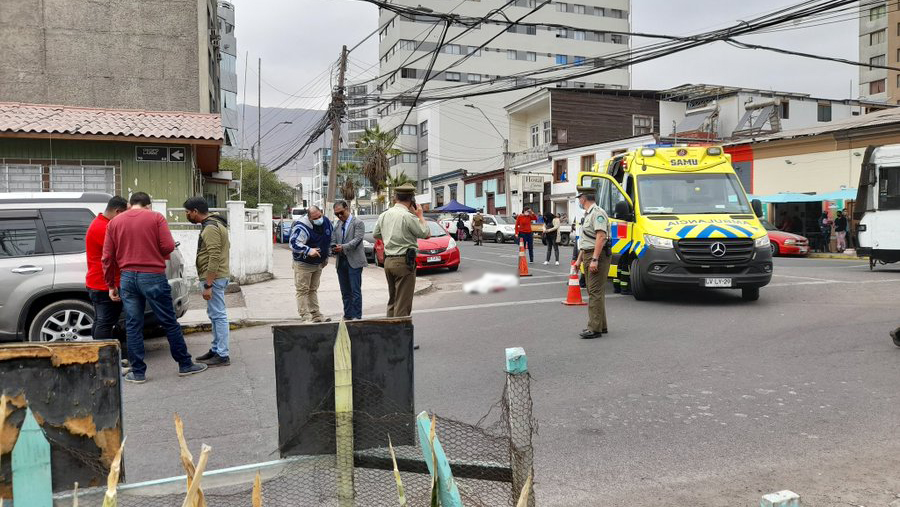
x=439, y=137
x=228, y=78
x=879, y=44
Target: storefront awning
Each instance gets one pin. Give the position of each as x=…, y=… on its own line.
x=785, y=197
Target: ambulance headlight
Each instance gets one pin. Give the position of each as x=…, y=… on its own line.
x=714, y=151
x=762, y=242
x=657, y=242
x=648, y=152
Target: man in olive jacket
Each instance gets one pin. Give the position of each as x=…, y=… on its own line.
x=213, y=271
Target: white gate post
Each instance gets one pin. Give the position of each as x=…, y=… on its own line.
x=265, y=216
x=237, y=232
x=160, y=206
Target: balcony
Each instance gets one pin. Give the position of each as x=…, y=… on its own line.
x=530, y=155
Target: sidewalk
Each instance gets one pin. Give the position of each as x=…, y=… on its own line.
x=274, y=300
x=845, y=255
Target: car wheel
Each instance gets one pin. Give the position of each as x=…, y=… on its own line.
x=453, y=268
x=774, y=246
x=498, y=238
x=639, y=289
x=750, y=293
x=63, y=321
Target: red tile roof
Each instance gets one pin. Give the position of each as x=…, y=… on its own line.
x=48, y=119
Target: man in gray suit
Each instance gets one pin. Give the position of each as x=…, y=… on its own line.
x=347, y=246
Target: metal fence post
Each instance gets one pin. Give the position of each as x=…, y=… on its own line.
x=518, y=415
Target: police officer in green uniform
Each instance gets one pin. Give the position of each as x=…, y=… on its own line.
x=594, y=258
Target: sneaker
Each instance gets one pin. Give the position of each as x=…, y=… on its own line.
x=218, y=361
x=192, y=369
x=135, y=378
x=321, y=319
x=125, y=363
x=546, y=262
x=557, y=263
x=206, y=357
x=590, y=335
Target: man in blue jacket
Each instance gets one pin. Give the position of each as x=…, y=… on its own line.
x=311, y=244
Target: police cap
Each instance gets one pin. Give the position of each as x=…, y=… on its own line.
x=407, y=189
x=591, y=191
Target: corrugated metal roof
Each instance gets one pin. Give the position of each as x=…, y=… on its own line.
x=878, y=118
x=50, y=119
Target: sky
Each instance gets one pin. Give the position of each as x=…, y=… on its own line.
x=298, y=40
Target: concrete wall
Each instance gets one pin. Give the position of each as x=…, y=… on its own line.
x=811, y=172
x=115, y=54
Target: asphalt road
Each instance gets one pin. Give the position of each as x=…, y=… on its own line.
x=697, y=398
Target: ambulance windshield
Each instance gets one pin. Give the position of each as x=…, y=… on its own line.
x=691, y=194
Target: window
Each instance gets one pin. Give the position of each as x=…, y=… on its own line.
x=875, y=87
x=579, y=35
x=439, y=196
x=358, y=124
x=453, y=194
x=452, y=49
x=898, y=28
x=452, y=76
x=531, y=56
x=501, y=185
x=562, y=6
x=617, y=38
x=642, y=125
x=562, y=33
x=74, y=178
x=21, y=178
x=423, y=157
x=18, y=238
x=599, y=11
x=408, y=130
x=879, y=60
x=473, y=50
x=888, y=188
x=527, y=30
x=878, y=12
x=560, y=171
x=473, y=78
x=824, y=113
x=547, y=132
x=405, y=158
x=510, y=54
x=66, y=229
x=535, y=136
x=587, y=162
x=479, y=189
x=579, y=9
x=784, y=111
x=877, y=37
x=408, y=73
x=617, y=13
x=898, y=81
x=423, y=128
x=579, y=60
x=407, y=44
x=562, y=59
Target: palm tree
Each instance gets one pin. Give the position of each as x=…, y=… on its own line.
x=348, y=172
x=376, y=148
x=400, y=179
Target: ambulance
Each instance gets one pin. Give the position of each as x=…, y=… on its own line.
x=680, y=219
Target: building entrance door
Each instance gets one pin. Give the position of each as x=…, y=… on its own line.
x=490, y=204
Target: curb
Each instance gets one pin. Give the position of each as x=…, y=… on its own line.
x=815, y=255
x=427, y=286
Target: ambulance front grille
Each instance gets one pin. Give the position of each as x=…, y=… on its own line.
x=700, y=251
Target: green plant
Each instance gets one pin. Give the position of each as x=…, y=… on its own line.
x=376, y=148
x=274, y=191
x=348, y=173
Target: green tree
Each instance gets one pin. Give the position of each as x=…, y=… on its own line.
x=348, y=176
x=280, y=194
x=376, y=148
x=400, y=179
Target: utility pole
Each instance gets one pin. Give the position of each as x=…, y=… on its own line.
x=337, y=107
x=509, y=210
x=259, y=134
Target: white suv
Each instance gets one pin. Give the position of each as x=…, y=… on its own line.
x=43, y=266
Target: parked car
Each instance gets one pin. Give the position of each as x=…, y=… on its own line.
x=369, y=240
x=449, y=220
x=43, y=266
x=499, y=228
x=438, y=251
x=786, y=243
x=281, y=228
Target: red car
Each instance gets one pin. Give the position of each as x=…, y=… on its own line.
x=438, y=251
x=786, y=243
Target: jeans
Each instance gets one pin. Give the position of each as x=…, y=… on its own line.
x=552, y=246
x=350, y=280
x=106, y=314
x=139, y=290
x=215, y=309
x=529, y=243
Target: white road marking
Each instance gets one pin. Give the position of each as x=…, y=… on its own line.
x=806, y=278
x=511, y=265
x=498, y=305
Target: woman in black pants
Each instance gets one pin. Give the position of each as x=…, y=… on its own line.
x=551, y=230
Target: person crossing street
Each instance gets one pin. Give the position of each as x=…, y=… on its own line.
x=594, y=257
x=400, y=228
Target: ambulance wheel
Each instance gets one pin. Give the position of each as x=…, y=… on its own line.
x=750, y=293
x=639, y=289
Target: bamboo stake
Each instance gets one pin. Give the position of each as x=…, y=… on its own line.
x=112, y=480
x=343, y=405
x=257, y=491
x=401, y=493
x=187, y=460
x=526, y=493
x=74, y=496
x=191, y=497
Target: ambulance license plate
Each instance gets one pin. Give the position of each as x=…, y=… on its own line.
x=718, y=282
x=434, y=259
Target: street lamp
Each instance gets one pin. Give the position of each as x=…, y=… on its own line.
x=258, y=146
x=505, y=157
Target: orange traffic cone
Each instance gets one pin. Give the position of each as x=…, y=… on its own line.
x=523, y=264
x=573, y=298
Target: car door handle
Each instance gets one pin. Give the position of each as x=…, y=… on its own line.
x=24, y=270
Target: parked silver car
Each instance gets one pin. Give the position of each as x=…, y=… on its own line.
x=43, y=266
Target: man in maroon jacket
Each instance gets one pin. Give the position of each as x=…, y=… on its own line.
x=138, y=242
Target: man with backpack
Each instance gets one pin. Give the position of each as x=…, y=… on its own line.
x=213, y=250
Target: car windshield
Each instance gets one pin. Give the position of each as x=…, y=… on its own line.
x=504, y=220
x=436, y=230
x=370, y=225
x=691, y=194
x=768, y=226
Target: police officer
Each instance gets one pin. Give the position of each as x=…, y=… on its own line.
x=594, y=257
x=400, y=228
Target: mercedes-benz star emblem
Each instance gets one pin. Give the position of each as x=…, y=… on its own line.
x=717, y=249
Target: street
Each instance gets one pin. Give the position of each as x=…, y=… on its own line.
x=695, y=398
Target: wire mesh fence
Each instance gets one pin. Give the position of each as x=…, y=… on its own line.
x=489, y=459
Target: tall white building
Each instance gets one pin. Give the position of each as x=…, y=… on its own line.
x=228, y=78
x=444, y=136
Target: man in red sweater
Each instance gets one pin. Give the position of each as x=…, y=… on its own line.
x=138, y=242
x=106, y=311
x=523, y=230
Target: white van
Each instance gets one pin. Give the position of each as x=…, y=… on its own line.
x=878, y=205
